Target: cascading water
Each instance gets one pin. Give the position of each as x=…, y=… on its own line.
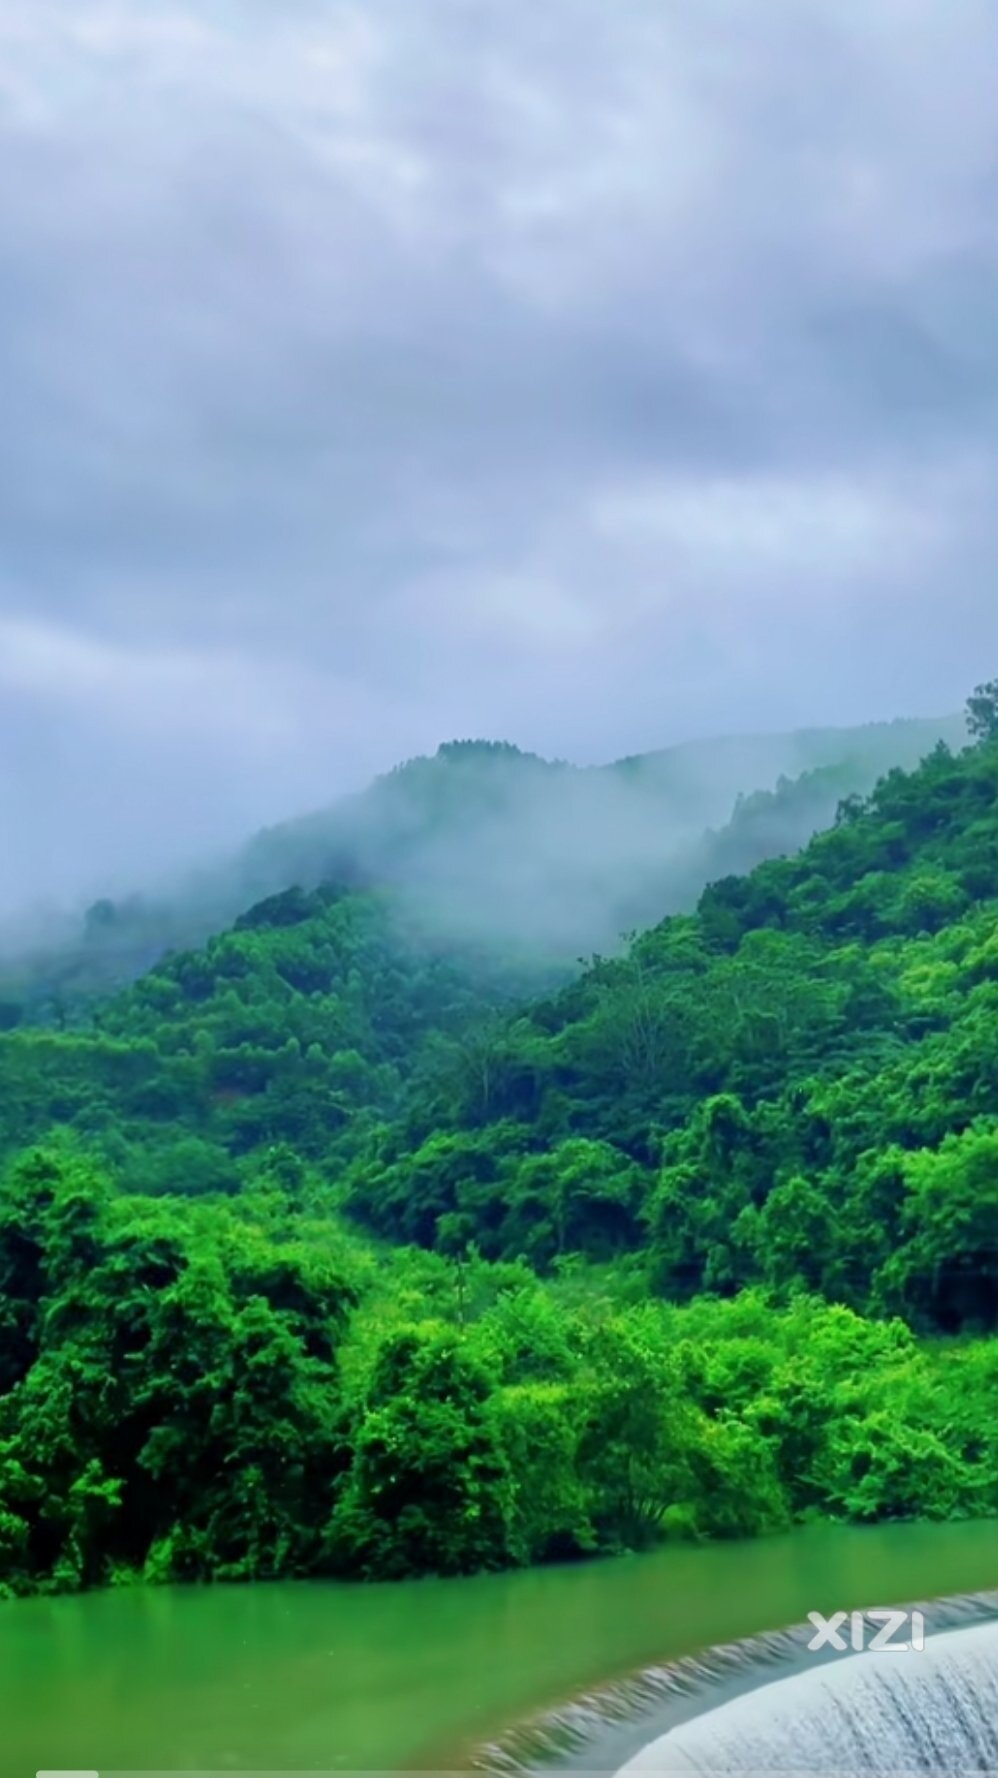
x=772, y=1706
x=931, y=1711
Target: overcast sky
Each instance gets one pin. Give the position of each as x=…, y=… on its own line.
x=587, y=373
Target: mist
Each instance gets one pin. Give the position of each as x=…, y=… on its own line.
x=602, y=379
x=502, y=846
x=484, y=848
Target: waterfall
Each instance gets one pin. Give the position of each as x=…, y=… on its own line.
x=930, y=1711
x=770, y=1704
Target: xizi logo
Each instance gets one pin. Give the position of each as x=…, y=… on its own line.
x=876, y=1632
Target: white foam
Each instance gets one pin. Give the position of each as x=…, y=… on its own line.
x=935, y=1710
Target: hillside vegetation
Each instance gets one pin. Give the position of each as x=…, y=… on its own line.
x=796, y=1085
x=323, y=1251
x=492, y=845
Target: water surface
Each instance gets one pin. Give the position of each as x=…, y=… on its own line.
x=322, y=1676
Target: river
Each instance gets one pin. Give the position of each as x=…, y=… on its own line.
x=324, y=1676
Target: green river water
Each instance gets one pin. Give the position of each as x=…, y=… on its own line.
x=322, y=1676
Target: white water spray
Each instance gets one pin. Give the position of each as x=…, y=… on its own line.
x=934, y=1711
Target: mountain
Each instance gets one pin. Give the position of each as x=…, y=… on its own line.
x=325, y=1250
x=499, y=846
x=508, y=842
x=751, y=1093
x=795, y=1086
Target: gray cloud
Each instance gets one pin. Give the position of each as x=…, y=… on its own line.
x=587, y=375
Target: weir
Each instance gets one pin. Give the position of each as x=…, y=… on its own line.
x=933, y=1711
x=771, y=1705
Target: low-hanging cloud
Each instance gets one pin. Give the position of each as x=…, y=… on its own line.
x=583, y=374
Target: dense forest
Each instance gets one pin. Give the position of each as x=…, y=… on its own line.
x=337, y=1245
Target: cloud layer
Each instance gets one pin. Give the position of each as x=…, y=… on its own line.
x=581, y=374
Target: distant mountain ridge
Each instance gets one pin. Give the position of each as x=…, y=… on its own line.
x=499, y=844
x=482, y=815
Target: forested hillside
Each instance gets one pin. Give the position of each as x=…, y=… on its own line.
x=322, y=1250
x=796, y=1085
x=297, y=1027
x=494, y=845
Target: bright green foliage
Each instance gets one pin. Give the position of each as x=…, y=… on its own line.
x=947, y=1266
x=765, y=1092
x=429, y=1487
x=199, y=1389
x=170, y=1398
x=297, y=1028
x=673, y=1233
